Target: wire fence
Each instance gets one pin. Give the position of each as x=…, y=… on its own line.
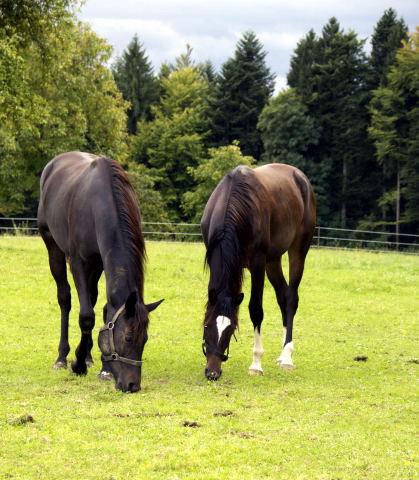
x=324, y=237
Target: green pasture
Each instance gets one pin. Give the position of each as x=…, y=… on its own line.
x=348, y=410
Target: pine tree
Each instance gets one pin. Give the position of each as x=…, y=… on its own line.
x=338, y=102
x=134, y=76
x=242, y=90
x=395, y=120
x=386, y=40
x=302, y=65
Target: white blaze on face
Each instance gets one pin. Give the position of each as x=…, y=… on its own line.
x=222, y=324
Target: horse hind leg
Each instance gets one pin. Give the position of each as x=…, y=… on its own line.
x=296, y=268
x=58, y=269
x=277, y=279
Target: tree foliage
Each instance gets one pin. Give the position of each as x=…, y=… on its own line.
x=207, y=175
x=288, y=131
x=242, y=89
x=134, y=77
x=395, y=129
x=174, y=140
x=386, y=41
x=57, y=93
x=56, y=96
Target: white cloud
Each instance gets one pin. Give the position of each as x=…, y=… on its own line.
x=212, y=28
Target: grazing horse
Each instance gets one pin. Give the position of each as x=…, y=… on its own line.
x=88, y=213
x=251, y=219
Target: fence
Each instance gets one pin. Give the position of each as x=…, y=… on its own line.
x=326, y=237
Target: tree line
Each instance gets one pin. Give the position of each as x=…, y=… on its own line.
x=349, y=118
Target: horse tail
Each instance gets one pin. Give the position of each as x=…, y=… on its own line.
x=309, y=200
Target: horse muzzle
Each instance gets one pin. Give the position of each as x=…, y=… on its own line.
x=130, y=387
x=213, y=373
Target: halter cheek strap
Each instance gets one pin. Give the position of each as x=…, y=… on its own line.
x=114, y=355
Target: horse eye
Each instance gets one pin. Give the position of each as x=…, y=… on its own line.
x=128, y=339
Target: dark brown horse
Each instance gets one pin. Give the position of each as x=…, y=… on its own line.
x=88, y=213
x=251, y=219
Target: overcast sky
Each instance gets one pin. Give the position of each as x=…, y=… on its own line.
x=213, y=27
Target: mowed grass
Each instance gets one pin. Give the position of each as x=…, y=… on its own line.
x=333, y=417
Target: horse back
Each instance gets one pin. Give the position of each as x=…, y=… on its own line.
x=291, y=202
x=73, y=198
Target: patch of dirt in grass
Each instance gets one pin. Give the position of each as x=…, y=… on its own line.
x=361, y=358
x=186, y=423
x=143, y=414
x=243, y=434
x=162, y=380
x=225, y=413
x=21, y=420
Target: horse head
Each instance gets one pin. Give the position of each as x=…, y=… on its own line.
x=122, y=340
x=219, y=325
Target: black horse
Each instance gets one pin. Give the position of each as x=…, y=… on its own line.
x=88, y=213
x=251, y=219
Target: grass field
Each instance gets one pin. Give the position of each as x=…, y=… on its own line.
x=331, y=418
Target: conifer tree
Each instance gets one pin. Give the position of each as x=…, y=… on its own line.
x=302, y=65
x=386, y=41
x=339, y=101
x=134, y=77
x=242, y=90
x=395, y=120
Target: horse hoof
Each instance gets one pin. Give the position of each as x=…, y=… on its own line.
x=59, y=365
x=78, y=369
x=286, y=366
x=253, y=371
x=105, y=376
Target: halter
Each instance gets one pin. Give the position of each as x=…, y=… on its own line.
x=114, y=356
x=207, y=348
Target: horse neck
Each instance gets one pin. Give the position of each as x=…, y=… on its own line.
x=122, y=278
x=124, y=266
x=226, y=271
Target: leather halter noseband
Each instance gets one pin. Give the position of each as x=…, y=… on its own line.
x=114, y=356
x=207, y=348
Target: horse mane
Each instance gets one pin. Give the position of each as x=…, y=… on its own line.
x=126, y=202
x=234, y=232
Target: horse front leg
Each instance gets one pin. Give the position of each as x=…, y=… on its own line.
x=94, y=277
x=257, y=272
x=86, y=316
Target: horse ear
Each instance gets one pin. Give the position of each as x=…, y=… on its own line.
x=212, y=296
x=130, y=304
x=238, y=299
x=152, y=306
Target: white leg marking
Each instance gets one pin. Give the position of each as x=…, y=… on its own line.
x=278, y=360
x=222, y=324
x=285, y=360
x=256, y=366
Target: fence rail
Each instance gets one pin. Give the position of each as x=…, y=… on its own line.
x=326, y=237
